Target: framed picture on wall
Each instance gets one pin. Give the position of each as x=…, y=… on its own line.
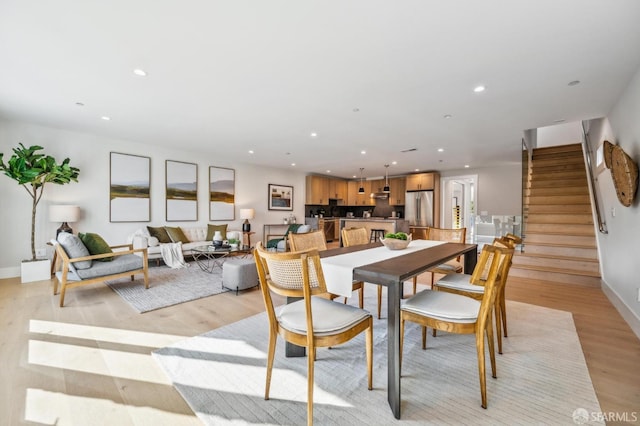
x=221, y=193
x=130, y=188
x=280, y=197
x=181, y=191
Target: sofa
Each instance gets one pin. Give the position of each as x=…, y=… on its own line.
x=191, y=237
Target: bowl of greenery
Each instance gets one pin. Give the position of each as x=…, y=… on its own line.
x=397, y=241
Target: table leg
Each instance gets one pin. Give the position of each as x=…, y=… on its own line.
x=292, y=350
x=394, y=294
x=470, y=260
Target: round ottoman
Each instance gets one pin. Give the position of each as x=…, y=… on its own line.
x=239, y=274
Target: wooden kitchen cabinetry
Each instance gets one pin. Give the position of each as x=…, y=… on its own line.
x=337, y=189
x=397, y=187
x=317, y=190
x=422, y=181
x=355, y=199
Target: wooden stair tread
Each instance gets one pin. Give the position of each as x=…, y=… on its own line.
x=572, y=234
x=564, y=245
x=557, y=270
x=550, y=256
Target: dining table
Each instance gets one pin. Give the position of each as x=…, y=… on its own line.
x=376, y=264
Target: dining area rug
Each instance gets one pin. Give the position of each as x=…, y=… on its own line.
x=542, y=376
x=168, y=286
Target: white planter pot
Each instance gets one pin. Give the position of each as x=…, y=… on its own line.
x=35, y=271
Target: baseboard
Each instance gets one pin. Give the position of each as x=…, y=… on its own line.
x=10, y=272
x=627, y=314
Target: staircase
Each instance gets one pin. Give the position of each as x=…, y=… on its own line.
x=559, y=239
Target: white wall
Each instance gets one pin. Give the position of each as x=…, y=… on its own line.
x=90, y=154
x=619, y=248
x=559, y=134
x=499, y=189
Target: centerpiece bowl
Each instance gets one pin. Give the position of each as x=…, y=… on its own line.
x=395, y=243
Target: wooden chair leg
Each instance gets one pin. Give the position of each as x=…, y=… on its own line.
x=415, y=284
x=270, y=355
x=503, y=311
x=424, y=337
x=369, y=349
x=310, y=381
x=481, y=367
x=498, y=326
x=361, y=296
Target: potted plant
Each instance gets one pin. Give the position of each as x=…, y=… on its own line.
x=233, y=242
x=33, y=170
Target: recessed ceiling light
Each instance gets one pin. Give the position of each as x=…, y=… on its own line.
x=574, y=83
x=466, y=166
x=394, y=162
x=416, y=170
x=328, y=171
x=105, y=118
x=139, y=72
x=354, y=176
x=440, y=149
x=479, y=89
x=293, y=164
x=250, y=151
x=79, y=104
x=356, y=110
x=448, y=116
x=314, y=134
x=363, y=152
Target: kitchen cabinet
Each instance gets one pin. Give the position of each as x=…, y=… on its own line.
x=356, y=199
x=317, y=190
x=397, y=187
x=337, y=189
x=377, y=185
x=421, y=181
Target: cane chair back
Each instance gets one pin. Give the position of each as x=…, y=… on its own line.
x=315, y=240
x=450, y=235
x=311, y=322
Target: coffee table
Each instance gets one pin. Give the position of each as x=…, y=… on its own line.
x=208, y=257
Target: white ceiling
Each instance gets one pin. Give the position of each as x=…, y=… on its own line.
x=233, y=76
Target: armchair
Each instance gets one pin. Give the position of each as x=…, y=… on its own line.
x=282, y=244
x=79, y=268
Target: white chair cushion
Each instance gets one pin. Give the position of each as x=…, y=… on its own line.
x=303, y=229
x=443, y=306
x=459, y=282
x=328, y=317
x=452, y=266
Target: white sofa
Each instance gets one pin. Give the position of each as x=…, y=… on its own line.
x=197, y=237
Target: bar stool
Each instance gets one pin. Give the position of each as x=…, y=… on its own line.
x=376, y=234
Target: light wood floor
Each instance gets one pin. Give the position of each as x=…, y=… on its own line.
x=106, y=375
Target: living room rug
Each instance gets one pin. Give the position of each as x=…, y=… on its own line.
x=168, y=287
x=542, y=376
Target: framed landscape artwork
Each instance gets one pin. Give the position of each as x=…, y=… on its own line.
x=129, y=191
x=221, y=193
x=181, y=191
x=280, y=197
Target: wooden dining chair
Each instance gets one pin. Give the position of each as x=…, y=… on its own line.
x=456, y=235
x=356, y=237
x=316, y=240
x=459, y=314
x=311, y=322
x=466, y=285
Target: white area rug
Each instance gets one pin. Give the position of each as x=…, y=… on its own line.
x=542, y=376
x=169, y=287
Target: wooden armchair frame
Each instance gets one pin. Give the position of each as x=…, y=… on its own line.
x=66, y=261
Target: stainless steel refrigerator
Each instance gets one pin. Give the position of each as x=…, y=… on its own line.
x=418, y=208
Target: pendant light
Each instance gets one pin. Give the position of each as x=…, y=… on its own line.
x=386, y=180
x=361, y=189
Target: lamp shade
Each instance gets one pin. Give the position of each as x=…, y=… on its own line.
x=61, y=213
x=247, y=213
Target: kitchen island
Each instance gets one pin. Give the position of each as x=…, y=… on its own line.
x=388, y=224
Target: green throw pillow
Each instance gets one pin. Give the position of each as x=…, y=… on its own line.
x=211, y=230
x=96, y=245
x=160, y=233
x=176, y=234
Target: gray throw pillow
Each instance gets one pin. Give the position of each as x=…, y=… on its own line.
x=74, y=248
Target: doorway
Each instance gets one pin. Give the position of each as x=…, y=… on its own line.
x=459, y=198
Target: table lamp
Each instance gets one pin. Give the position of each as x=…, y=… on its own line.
x=246, y=214
x=64, y=214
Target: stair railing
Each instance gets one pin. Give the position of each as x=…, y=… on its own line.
x=602, y=226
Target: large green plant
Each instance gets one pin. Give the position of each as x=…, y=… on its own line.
x=33, y=170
